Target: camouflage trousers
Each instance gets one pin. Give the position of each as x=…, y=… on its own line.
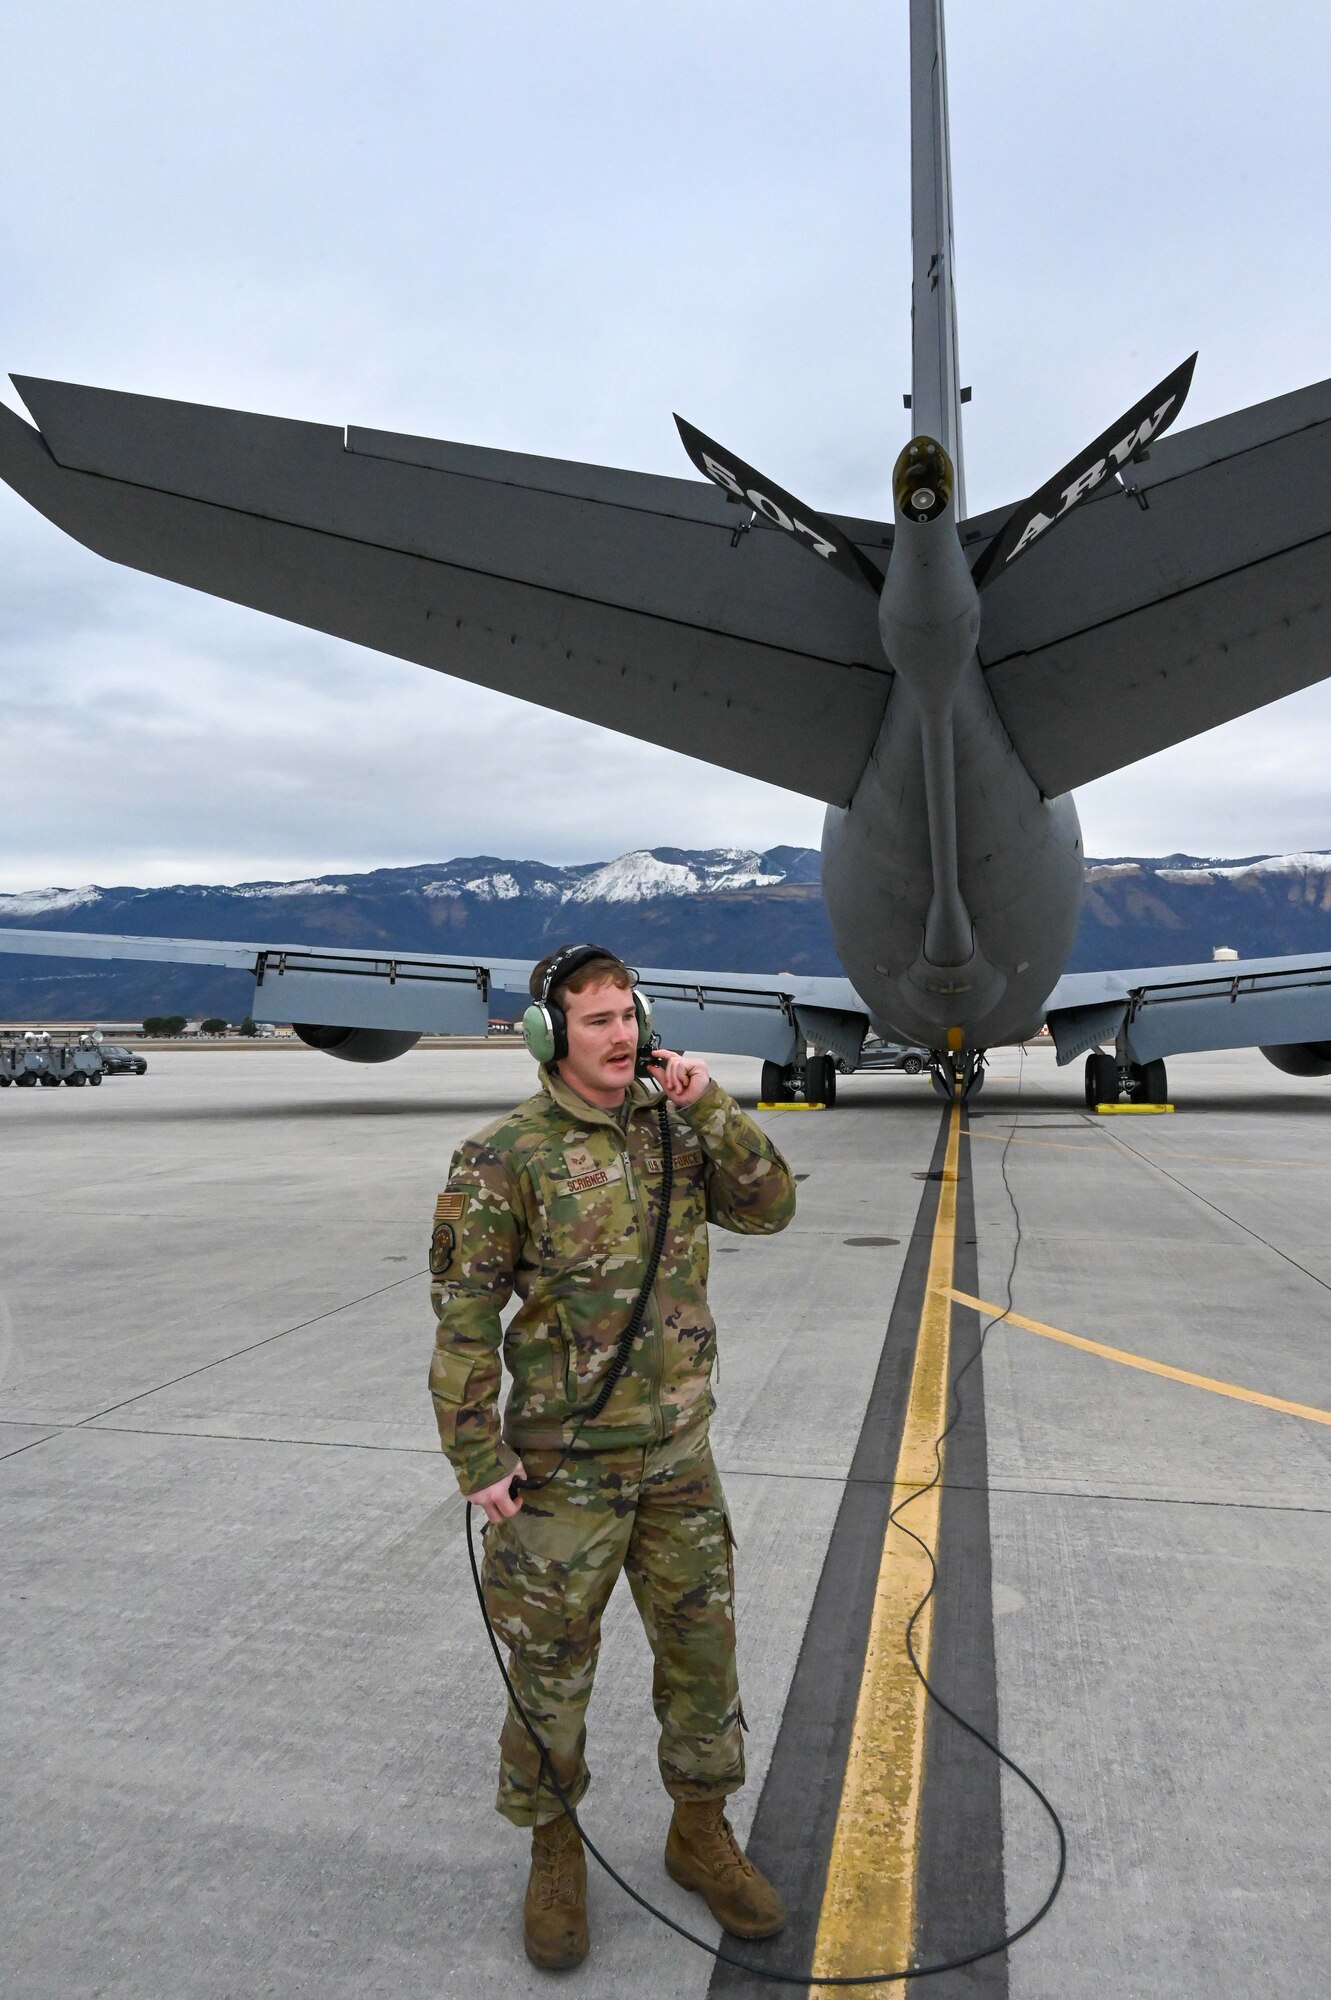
x=658, y=1512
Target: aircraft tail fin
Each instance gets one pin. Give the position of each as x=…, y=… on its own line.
x=935, y=369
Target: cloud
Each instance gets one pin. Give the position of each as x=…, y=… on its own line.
x=545, y=228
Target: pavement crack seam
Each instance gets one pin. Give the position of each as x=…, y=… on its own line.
x=219, y=1361
x=1215, y=1208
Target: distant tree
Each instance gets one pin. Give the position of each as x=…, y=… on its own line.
x=247, y=1027
x=173, y=1024
x=153, y=1025
x=214, y=1025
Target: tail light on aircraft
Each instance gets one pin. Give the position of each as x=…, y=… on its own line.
x=922, y=480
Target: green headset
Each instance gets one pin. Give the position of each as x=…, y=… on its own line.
x=545, y=1024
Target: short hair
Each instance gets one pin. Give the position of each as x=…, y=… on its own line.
x=592, y=973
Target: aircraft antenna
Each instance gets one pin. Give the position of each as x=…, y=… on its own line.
x=935, y=376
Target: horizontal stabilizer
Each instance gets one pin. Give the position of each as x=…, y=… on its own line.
x=1198, y=594
x=617, y=597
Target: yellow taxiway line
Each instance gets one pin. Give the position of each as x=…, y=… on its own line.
x=1128, y=1360
x=868, y=1913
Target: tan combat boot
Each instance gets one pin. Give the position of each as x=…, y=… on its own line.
x=555, y=1912
x=702, y=1853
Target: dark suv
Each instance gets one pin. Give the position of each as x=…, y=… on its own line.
x=122, y=1062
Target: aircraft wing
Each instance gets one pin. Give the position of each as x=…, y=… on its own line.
x=1173, y=1009
x=638, y=602
x=715, y=1013
x=1196, y=592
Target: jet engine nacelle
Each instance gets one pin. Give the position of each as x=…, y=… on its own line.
x=1301, y=1058
x=358, y=1045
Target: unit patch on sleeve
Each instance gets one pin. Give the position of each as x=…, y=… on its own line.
x=442, y=1245
x=448, y=1212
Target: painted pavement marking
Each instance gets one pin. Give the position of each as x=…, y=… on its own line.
x=868, y=1912
x=1121, y=1354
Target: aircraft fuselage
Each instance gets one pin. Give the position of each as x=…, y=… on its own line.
x=952, y=884
x=1019, y=872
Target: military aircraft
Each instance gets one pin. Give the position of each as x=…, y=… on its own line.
x=940, y=682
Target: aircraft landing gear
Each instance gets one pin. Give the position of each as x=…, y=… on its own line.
x=1102, y=1079
x=813, y=1081
x=820, y=1080
x=1147, y=1083
x=957, y=1076
x=773, y=1089
x=1107, y=1079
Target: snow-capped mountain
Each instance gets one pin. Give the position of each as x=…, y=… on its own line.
x=641, y=877
x=28, y=903
x=644, y=875
x=716, y=908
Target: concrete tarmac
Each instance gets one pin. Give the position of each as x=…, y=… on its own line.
x=247, y=1735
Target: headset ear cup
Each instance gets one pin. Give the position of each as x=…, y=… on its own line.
x=538, y=1032
x=643, y=1008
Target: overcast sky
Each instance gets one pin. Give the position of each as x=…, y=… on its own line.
x=546, y=224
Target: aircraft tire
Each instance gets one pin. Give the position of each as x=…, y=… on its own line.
x=1154, y=1084
x=774, y=1084
x=820, y=1081
x=1101, y=1079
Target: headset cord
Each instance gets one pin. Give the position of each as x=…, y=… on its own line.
x=619, y=1360
x=807, y=1979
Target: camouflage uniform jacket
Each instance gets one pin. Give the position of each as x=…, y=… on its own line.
x=558, y=1201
